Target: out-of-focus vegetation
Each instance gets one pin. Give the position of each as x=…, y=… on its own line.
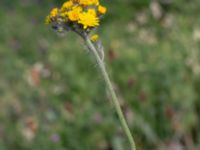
x=51, y=94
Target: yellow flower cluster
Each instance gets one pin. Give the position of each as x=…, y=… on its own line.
x=85, y=13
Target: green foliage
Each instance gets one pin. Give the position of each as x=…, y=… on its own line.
x=52, y=96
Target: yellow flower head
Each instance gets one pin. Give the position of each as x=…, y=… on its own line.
x=102, y=9
x=54, y=12
x=67, y=5
x=92, y=11
x=94, y=38
x=89, y=2
x=87, y=19
x=74, y=14
x=47, y=20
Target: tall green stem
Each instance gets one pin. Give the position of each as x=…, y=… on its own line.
x=111, y=91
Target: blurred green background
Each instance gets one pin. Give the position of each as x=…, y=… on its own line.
x=53, y=98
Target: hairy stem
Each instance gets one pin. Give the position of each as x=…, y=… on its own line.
x=111, y=91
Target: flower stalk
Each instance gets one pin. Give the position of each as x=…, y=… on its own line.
x=83, y=17
x=115, y=101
